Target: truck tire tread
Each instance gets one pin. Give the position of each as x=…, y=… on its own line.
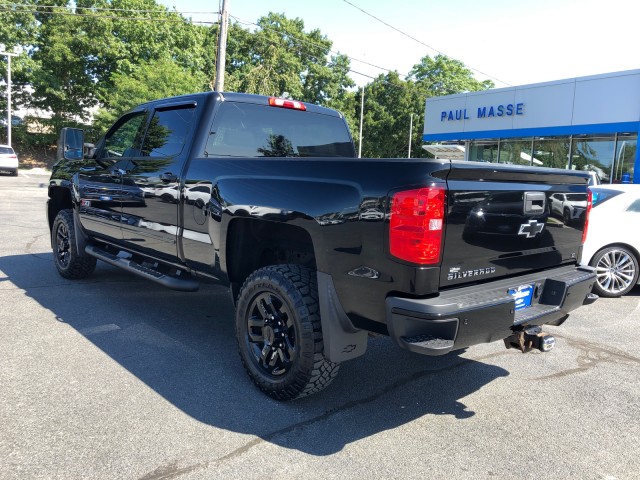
x=79, y=265
x=311, y=372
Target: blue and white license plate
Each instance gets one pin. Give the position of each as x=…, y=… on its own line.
x=522, y=295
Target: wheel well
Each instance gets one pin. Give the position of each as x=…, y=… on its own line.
x=252, y=244
x=59, y=199
x=623, y=245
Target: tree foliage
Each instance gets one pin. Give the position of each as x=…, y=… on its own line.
x=88, y=61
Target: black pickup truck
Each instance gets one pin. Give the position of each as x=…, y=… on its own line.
x=319, y=248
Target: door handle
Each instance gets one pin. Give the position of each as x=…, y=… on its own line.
x=168, y=177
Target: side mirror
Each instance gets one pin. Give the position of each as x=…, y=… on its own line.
x=70, y=144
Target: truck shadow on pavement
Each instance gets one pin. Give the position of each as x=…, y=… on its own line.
x=182, y=345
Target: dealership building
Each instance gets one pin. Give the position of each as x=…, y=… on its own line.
x=587, y=123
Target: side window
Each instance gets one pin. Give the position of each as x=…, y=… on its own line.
x=167, y=132
x=232, y=133
x=634, y=207
x=601, y=195
x=125, y=140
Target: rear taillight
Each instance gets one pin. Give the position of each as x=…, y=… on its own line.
x=416, y=224
x=586, y=215
x=284, y=103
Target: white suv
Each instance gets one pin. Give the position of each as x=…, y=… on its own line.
x=8, y=160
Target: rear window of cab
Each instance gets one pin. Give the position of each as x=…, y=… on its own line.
x=250, y=130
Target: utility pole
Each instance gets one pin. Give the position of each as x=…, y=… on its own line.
x=221, y=57
x=361, y=120
x=410, y=134
x=9, y=55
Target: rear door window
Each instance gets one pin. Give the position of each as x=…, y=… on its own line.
x=248, y=130
x=168, y=131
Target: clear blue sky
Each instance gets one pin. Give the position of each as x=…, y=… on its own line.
x=512, y=42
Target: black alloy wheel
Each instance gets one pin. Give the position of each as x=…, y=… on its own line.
x=70, y=263
x=63, y=248
x=271, y=334
x=279, y=332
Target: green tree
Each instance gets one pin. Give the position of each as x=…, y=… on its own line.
x=281, y=57
x=445, y=76
x=18, y=28
x=148, y=81
x=388, y=104
x=81, y=52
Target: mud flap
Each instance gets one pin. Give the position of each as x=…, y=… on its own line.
x=342, y=341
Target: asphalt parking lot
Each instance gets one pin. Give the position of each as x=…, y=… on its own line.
x=114, y=377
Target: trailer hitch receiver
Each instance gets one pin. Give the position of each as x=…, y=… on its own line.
x=529, y=338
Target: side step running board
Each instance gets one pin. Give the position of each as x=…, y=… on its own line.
x=427, y=344
x=174, y=283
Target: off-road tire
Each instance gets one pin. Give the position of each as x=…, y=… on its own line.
x=70, y=263
x=279, y=332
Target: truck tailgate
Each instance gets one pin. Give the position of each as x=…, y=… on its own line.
x=500, y=221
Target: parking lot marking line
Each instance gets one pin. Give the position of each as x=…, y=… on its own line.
x=99, y=329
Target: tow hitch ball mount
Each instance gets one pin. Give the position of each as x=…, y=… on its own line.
x=529, y=338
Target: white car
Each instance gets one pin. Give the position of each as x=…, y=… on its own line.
x=568, y=206
x=8, y=160
x=613, y=238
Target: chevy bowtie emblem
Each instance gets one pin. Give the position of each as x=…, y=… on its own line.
x=531, y=229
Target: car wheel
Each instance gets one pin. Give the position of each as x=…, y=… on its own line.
x=616, y=270
x=69, y=262
x=279, y=332
x=566, y=216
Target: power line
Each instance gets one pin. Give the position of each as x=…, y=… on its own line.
x=420, y=41
x=247, y=22
x=156, y=19
x=133, y=10
x=152, y=19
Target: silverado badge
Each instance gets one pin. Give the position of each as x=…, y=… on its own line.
x=456, y=273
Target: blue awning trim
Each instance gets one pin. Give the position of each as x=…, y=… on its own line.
x=622, y=127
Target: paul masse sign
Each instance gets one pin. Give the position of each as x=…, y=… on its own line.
x=507, y=110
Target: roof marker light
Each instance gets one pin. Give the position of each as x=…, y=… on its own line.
x=284, y=103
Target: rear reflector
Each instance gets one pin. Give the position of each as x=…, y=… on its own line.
x=586, y=215
x=416, y=224
x=284, y=103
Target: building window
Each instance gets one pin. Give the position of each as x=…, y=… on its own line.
x=626, y=148
x=612, y=157
x=483, y=151
x=551, y=152
x=594, y=153
x=517, y=151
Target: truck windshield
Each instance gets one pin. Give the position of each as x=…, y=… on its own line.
x=249, y=130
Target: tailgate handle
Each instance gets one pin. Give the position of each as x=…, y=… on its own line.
x=534, y=202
